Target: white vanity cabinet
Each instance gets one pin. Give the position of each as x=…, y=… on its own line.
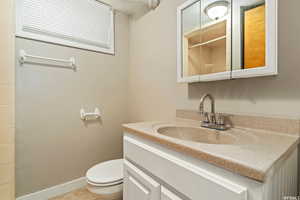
x=154, y=172
x=138, y=185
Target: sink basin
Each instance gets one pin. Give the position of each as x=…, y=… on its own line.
x=199, y=135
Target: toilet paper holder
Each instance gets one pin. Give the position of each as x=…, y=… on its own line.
x=88, y=116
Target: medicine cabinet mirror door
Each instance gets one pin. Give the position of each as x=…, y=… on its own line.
x=204, y=41
x=254, y=38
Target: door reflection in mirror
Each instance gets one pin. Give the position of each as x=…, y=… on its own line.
x=249, y=34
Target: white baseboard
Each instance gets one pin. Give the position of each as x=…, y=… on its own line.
x=55, y=190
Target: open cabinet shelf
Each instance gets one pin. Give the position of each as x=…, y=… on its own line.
x=209, y=43
x=208, y=30
x=205, y=49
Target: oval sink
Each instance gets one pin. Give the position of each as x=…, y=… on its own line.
x=199, y=135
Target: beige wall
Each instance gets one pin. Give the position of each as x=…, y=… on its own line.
x=53, y=144
x=7, y=85
x=155, y=95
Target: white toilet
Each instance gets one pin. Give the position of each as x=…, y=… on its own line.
x=106, y=180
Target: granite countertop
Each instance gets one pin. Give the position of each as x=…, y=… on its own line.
x=253, y=155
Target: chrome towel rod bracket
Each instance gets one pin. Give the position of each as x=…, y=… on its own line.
x=24, y=58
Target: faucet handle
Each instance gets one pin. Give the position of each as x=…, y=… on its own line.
x=220, y=119
x=212, y=117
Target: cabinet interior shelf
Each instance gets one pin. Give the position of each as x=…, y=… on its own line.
x=210, y=42
x=204, y=49
x=209, y=28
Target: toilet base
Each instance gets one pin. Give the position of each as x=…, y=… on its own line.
x=114, y=192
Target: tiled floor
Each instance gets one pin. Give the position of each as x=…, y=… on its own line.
x=80, y=194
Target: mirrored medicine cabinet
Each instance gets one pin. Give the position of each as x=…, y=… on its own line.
x=226, y=39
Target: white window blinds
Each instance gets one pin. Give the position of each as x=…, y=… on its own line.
x=86, y=24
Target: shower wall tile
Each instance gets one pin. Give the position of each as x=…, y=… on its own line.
x=6, y=192
x=6, y=75
x=5, y=173
x=7, y=94
x=7, y=116
x=6, y=154
x=6, y=135
x=7, y=102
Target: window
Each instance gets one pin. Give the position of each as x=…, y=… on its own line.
x=86, y=24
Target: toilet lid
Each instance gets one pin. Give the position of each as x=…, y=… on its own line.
x=106, y=172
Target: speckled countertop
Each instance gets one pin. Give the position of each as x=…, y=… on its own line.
x=253, y=154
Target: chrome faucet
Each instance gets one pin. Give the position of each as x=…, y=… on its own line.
x=210, y=119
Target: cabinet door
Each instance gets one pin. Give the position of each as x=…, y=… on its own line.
x=254, y=51
x=168, y=195
x=138, y=185
x=204, y=44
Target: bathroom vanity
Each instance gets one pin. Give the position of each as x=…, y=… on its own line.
x=182, y=161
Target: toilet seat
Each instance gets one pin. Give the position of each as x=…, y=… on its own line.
x=108, y=173
x=104, y=184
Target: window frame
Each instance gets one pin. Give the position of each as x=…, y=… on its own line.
x=53, y=38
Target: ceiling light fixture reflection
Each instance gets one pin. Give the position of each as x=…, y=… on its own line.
x=217, y=10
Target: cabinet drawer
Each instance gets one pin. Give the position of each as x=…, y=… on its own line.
x=138, y=185
x=188, y=179
x=168, y=195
